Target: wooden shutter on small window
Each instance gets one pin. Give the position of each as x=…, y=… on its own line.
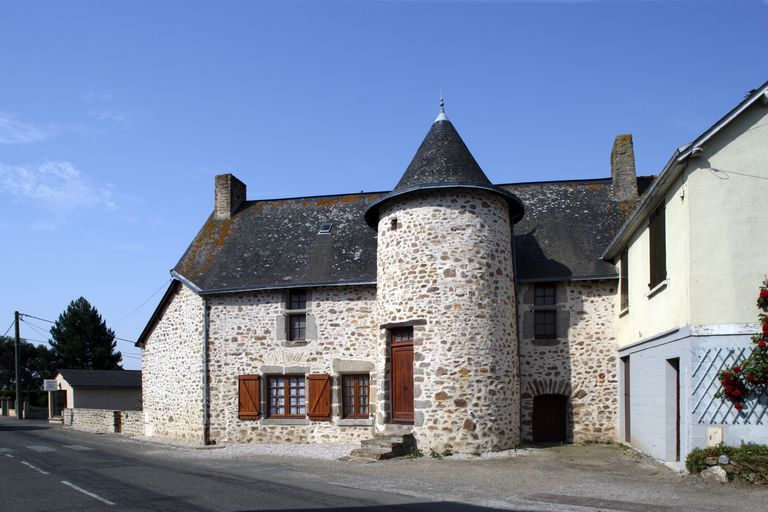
x=249, y=397
x=319, y=396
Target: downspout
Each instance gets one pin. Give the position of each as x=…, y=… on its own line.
x=206, y=386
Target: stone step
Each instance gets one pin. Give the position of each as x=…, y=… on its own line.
x=358, y=460
x=387, y=441
x=372, y=453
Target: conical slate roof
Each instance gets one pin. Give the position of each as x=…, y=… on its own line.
x=442, y=158
x=443, y=161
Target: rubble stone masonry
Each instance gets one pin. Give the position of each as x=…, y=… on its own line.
x=172, y=370
x=445, y=267
x=245, y=339
x=581, y=364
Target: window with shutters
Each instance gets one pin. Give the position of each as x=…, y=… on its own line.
x=249, y=397
x=624, y=279
x=319, y=397
x=544, y=314
x=657, y=246
x=354, y=396
x=286, y=394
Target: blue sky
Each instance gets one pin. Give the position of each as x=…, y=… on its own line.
x=115, y=116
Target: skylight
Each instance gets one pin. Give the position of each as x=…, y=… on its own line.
x=325, y=229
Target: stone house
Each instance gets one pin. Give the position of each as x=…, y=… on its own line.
x=467, y=313
x=692, y=256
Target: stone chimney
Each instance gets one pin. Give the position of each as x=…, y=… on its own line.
x=624, y=179
x=229, y=195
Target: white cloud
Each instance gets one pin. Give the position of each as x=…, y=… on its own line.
x=109, y=115
x=14, y=131
x=56, y=186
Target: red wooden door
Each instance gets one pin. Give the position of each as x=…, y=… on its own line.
x=402, y=375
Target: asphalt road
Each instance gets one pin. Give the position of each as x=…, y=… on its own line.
x=45, y=468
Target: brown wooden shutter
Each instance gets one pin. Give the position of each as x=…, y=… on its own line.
x=250, y=397
x=319, y=396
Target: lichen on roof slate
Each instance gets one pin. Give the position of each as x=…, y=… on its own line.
x=275, y=243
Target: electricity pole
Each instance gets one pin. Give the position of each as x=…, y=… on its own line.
x=17, y=355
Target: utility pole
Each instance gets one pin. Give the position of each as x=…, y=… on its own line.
x=18, y=355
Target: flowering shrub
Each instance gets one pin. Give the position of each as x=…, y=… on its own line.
x=750, y=376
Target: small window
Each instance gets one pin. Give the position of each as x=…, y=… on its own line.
x=544, y=295
x=657, y=246
x=393, y=223
x=354, y=393
x=297, y=299
x=402, y=335
x=297, y=327
x=286, y=396
x=545, y=325
x=623, y=279
x=325, y=229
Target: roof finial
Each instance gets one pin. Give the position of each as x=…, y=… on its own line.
x=441, y=116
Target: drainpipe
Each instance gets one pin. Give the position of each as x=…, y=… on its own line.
x=206, y=386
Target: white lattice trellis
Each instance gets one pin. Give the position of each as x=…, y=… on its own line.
x=707, y=408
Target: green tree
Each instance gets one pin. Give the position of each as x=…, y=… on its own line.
x=35, y=363
x=82, y=340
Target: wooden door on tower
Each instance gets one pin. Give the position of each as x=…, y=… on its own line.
x=402, y=375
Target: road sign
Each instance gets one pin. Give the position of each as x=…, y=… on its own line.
x=49, y=385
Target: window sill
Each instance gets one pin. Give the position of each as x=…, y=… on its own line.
x=284, y=421
x=294, y=343
x=355, y=422
x=656, y=289
x=624, y=312
x=545, y=343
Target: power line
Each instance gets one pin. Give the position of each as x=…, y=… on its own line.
x=142, y=304
x=34, y=327
x=37, y=318
x=9, y=328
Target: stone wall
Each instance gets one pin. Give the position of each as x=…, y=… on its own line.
x=445, y=266
x=581, y=364
x=245, y=339
x=172, y=370
x=132, y=423
x=90, y=420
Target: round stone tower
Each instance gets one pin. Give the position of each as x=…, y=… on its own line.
x=446, y=300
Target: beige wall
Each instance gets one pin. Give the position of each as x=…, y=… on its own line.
x=729, y=232
x=717, y=252
x=666, y=308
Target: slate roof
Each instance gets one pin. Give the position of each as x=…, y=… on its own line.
x=102, y=378
x=567, y=225
x=442, y=161
x=275, y=243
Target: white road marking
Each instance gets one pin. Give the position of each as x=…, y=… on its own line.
x=77, y=447
x=87, y=493
x=9, y=455
x=41, y=448
x=6, y=450
x=34, y=467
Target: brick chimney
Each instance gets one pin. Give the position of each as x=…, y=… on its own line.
x=229, y=195
x=624, y=179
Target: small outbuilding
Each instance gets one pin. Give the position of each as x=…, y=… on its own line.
x=96, y=389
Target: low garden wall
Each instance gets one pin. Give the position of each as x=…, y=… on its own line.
x=132, y=423
x=91, y=420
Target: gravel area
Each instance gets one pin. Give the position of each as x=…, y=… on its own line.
x=504, y=454
x=235, y=451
